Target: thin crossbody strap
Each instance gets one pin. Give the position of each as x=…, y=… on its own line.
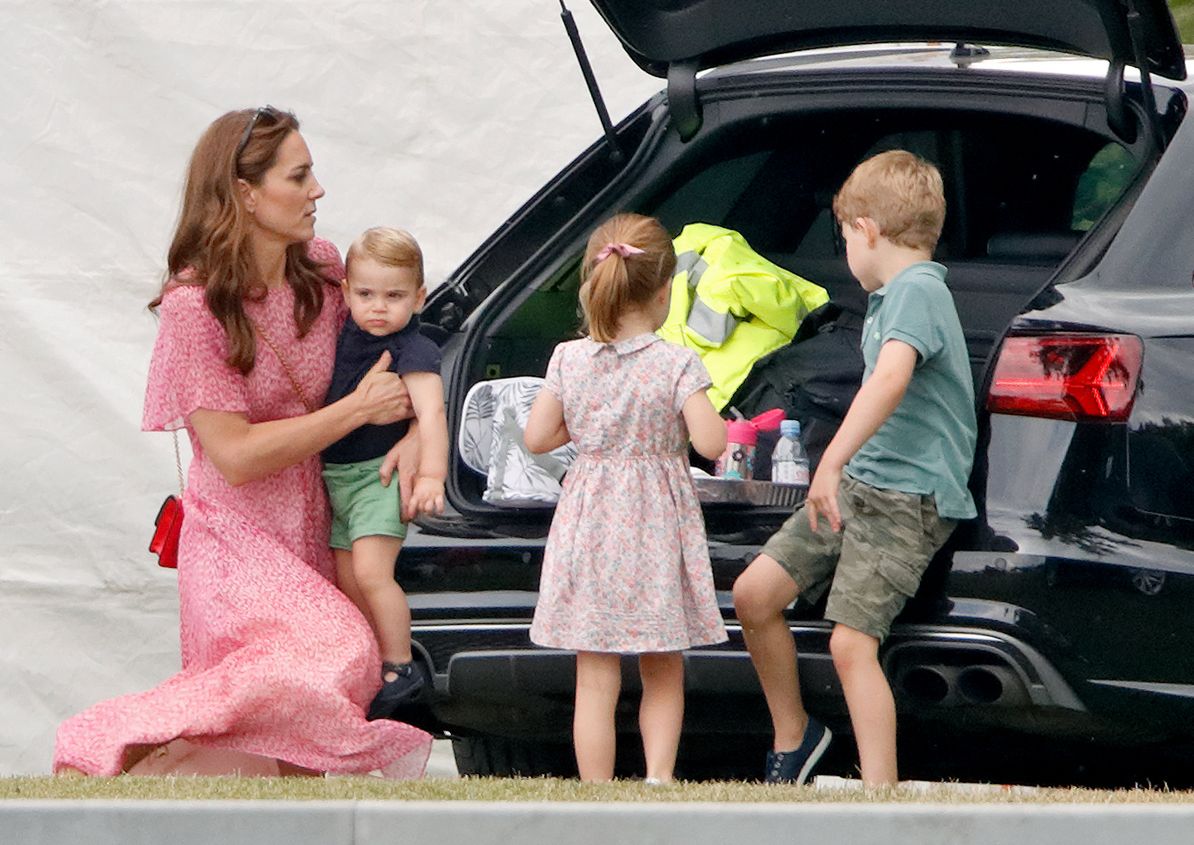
x=298, y=388
x=177, y=462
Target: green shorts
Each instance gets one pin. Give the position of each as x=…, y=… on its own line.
x=874, y=564
x=361, y=507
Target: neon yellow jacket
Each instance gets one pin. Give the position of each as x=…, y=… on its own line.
x=732, y=305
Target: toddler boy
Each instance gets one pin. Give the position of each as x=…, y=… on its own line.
x=384, y=290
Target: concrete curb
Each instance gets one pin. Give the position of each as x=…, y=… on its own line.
x=477, y=823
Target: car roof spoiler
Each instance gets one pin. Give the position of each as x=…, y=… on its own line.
x=676, y=39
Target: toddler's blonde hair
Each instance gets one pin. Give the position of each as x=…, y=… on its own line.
x=389, y=246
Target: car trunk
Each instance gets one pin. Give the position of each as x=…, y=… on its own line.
x=1033, y=183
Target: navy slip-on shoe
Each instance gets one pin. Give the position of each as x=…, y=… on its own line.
x=796, y=766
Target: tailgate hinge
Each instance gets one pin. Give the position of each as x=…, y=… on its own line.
x=682, y=100
x=1118, y=116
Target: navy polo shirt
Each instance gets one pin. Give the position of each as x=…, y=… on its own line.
x=356, y=352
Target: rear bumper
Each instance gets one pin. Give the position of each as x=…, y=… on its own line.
x=491, y=679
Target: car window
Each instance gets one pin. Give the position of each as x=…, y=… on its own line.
x=711, y=193
x=1101, y=185
x=1014, y=176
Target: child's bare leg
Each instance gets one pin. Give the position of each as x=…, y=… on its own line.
x=661, y=712
x=373, y=568
x=346, y=580
x=598, y=682
x=761, y=593
x=869, y=698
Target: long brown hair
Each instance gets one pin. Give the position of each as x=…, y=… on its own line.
x=618, y=282
x=211, y=246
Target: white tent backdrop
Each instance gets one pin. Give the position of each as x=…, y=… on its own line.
x=442, y=117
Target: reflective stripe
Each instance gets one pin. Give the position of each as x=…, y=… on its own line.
x=712, y=325
x=693, y=264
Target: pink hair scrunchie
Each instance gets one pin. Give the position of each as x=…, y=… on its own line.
x=624, y=250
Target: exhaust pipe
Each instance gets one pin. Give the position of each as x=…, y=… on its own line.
x=939, y=669
x=930, y=683
x=943, y=685
x=991, y=685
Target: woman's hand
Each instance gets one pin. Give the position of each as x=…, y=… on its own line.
x=382, y=396
x=403, y=456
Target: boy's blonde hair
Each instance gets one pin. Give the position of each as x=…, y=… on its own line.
x=388, y=246
x=901, y=192
x=628, y=259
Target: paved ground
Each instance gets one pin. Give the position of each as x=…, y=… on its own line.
x=475, y=823
x=442, y=764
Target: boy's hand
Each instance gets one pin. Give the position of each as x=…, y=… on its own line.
x=428, y=495
x=403, y=457
x=822, y=497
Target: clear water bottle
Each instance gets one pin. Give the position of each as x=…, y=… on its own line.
x=789, y=462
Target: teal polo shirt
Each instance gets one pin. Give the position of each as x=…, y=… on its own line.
x=927, y=444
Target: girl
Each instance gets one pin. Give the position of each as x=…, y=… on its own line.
x=626, y=568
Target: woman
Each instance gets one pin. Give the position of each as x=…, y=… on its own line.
x=278, y=664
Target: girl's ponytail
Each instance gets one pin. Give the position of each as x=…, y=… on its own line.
x=603, y=297
x=628, y=259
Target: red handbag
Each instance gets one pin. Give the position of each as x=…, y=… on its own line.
x=167, y=525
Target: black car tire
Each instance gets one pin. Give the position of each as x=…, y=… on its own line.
x=491, y=755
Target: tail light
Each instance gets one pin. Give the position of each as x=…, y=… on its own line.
x=1067, y=376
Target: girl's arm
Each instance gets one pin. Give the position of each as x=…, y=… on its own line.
x=427, y=396
x=706, y=428
x=546, y=429
x=244, y=451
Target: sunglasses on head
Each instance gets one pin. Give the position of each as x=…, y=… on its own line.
x=265, y=111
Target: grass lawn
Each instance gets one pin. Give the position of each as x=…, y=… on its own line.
x=1183, y=13
x=548, y=789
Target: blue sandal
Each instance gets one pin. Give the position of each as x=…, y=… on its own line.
x=407, y=687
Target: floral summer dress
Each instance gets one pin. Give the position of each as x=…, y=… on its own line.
x=277, y=663
x=626, y=568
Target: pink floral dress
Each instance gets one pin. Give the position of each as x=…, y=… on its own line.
x=626, y=567
x=277, y=663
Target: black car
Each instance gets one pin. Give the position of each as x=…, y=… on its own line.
x=1059, y=614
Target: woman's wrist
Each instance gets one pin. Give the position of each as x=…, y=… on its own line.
x=357, y=412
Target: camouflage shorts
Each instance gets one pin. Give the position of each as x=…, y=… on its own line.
x=873, y=565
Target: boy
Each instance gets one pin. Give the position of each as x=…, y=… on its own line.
x=905, y=447
x=384, y=291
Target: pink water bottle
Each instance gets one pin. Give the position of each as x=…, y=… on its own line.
x=742, y=438
x=738, y=459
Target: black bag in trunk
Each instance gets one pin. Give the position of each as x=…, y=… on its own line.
x=814, y=378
